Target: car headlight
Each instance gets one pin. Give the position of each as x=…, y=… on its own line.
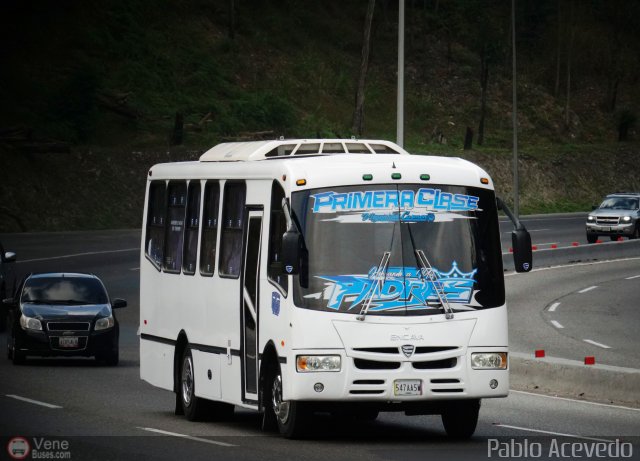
x=591, y=218
x=105, y=323
x=29, y=323
x=307, y=363
x=626, y=218
x=489, y=361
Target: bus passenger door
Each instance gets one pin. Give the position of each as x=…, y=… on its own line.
x=249, y=302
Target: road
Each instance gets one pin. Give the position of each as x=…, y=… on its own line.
x=109, y=413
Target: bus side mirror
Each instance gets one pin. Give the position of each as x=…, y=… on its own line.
x=9, y=257
x=522, y=254
x=291, y=251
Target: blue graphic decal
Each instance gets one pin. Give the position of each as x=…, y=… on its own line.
x=380, y=200
x=404, y=287
x=275, y=303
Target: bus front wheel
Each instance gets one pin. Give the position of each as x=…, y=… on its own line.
x=461, y=418
x=291, y=416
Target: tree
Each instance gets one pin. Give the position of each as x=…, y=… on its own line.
x=572, y=35
x=486, y=35
x=358, y=113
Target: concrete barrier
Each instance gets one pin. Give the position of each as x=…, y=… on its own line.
x=582, y=253
x=573, y=379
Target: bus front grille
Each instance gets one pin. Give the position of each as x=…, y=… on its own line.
x=363, y=364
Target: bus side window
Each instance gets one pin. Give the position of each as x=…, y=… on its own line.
x=277, y=228
x=191, y=230
x=209, y=228
x=232, y=227
x=175, y=226
x=156, y=209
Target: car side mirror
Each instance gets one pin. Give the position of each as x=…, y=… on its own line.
x=9, y=257
x=594, y=207
x=9, y=303
x=118, y=303
x=522, y=253
x=291, y=252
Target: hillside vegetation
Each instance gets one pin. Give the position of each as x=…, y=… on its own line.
x=92, y=92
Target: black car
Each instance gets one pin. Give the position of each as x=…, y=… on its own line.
x=7, y=280
x=63, y=314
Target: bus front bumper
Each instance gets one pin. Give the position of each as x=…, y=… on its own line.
x=410, y=380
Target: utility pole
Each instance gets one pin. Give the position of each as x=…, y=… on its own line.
x=516, y=193
x=400, y=116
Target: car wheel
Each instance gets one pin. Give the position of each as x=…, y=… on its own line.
x=192, y=406
x=592, y=238
x=636, y=233
x=291, y=416
x=17, y=356
x=461, y=418
x=3, y=314
x=110, y=359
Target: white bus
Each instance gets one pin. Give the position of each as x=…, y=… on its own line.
x=342, y=276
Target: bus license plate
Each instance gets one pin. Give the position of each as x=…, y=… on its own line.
x=68, y=341
x=407, y=387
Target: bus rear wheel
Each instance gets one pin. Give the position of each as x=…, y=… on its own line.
x=291, y=416
x=461, y=418
x=192, y=406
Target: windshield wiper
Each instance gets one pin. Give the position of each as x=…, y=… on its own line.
x=437, y=286
x=381, y=276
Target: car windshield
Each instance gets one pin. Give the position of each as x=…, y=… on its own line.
x=64, y=290
x=398, y=249
x=620, y=203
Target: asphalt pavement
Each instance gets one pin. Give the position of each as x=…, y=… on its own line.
x=109, y=413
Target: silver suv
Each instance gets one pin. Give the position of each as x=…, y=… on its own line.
x=617, y=216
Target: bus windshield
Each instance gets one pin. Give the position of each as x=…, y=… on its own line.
x=400, y=249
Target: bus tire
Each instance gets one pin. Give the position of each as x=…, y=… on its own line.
x=269, y=421
x=192, y=406
x=291, y=416
x=461, y=418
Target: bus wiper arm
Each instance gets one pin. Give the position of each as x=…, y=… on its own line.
x=380, y=276
x=437, y=286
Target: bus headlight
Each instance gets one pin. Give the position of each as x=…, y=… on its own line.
x=29, y=323
x=308, y=363
x=105, y=323
x=489, y=361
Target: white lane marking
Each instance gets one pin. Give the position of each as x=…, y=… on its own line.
x=561, y=434
x=553, y=307
x=634, y=277
x=134, y=269
x=570, y=266
x=556, y=324
x=604, y=346
x=35, y=402
x=188, y=437
x=89, y=253
x=586, y=402
x=588, y=289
